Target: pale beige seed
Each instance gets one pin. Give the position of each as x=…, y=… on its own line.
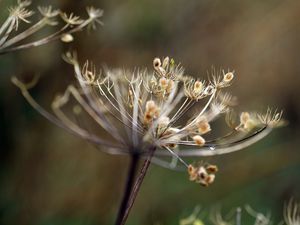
x=202, y=173
x=163, y=82
x=170, y=86
x=249, y=125
x=245, y=116
x=156, y=63
x=228, y=77
x=166, y=62
x=200, y=141
x=192, y=173
x=210, y=178
x=67, y=38
x=211, y=168
x=150, y=106
x=203, y=127
x=198, y=86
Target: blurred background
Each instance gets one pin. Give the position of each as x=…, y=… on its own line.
x=48, y=176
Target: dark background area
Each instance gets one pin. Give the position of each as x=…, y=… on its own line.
x=50, y=177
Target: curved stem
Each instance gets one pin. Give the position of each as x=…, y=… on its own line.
x=137, y=185
x=128, y=188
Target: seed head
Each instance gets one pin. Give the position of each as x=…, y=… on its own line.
x=162, y=110
x=202, y=174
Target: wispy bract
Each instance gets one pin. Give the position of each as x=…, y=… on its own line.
x=12, y=38
x=292, y=213
x=291, y=216
x=162, y=114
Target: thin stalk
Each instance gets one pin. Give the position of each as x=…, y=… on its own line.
x=137, y=186
x=128, y=188
x=39, y=25
x=5, y=24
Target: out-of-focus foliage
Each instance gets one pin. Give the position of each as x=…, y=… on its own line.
x=50, y=177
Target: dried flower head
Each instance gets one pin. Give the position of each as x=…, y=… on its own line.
x=157, y=114
x=203, y=174
x=11, y=38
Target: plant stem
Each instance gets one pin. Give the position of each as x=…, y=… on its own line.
x=137, y=185
x=129, y=184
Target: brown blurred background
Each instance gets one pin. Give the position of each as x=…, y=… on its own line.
x=50, y=177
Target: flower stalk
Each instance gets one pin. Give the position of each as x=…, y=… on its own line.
x=138, y=182
x=134, y=160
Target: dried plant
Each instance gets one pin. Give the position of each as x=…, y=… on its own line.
x=12, y=39
x=291, y=216
x=162, y=116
